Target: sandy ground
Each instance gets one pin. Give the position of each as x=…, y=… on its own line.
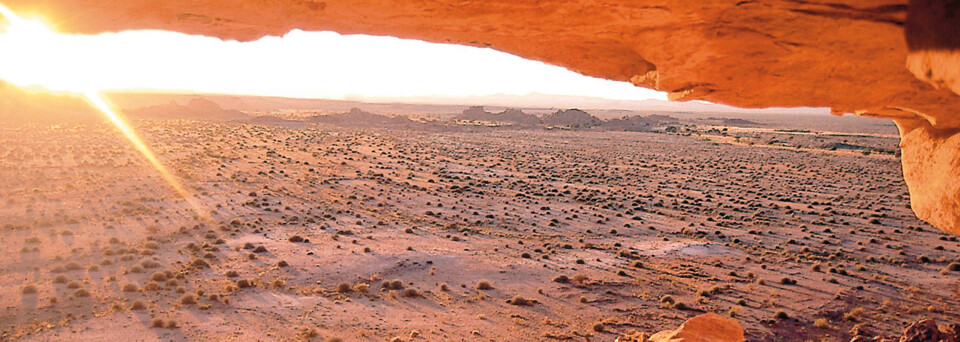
x=495, y=235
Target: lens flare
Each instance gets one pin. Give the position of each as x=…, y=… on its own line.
x=20, y=28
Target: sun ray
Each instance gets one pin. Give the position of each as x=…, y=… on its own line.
x=97, y=101
x=18, y=25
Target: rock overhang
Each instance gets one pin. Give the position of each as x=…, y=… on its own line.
x=882, y=58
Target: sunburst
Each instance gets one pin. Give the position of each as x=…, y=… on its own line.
x=39, y=33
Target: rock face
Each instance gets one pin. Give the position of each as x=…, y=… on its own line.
x=931, y=168
x=883, y=58
x=709, y=327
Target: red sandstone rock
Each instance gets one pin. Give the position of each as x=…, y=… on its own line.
x=870, y=57
x=709, y=327
x=922, y=331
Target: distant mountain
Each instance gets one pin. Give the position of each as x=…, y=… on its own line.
x=571, y=117
x=638, y=123
x=196, y=109
x=547, y=101
x=511, y=115
x=358, y=117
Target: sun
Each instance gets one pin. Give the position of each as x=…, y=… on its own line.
x=36, y=32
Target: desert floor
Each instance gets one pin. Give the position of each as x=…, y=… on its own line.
x=313, y=232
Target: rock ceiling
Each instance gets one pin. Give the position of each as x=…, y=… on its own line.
x=884, y=58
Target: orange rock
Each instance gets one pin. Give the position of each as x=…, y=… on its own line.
x=878, y=58
x=846, y=54
x=709, y=327
x=931, y=168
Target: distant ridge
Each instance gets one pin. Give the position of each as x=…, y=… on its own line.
x=358, y=117
x=511, y=115
x=196, y=109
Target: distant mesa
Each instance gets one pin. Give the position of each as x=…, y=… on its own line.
x=511, y=115
x=475, y=113
x=196, y=109
x=571, y=118
x=358, y=117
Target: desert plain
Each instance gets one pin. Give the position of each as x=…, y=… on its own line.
x=462, y=231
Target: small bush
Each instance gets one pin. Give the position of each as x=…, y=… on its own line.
x=151, y=286
x=518, y=300
x=395, y=284
x=484, y=285
x=29, y=289
x=188, y=299
x=156, y=323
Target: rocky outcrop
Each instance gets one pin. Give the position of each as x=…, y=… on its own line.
x=517, y=116
x=888, y=58
x=476, y=113
x=928, y=331
x=931, y=168
x=709, y=327
x=570, y=118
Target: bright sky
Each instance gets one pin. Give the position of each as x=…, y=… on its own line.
x=300, y=64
